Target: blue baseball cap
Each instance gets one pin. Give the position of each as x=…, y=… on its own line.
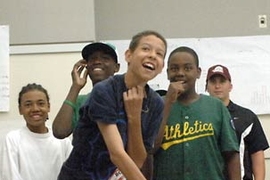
x=107, y=48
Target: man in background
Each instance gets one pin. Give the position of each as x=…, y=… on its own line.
x=249, y=131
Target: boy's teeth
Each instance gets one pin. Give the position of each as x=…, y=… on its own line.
x=97, y=69
x=148, y=65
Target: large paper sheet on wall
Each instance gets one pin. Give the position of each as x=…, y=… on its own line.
x=247, y=57
x=4, y=68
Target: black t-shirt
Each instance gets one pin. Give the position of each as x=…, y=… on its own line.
x=250, y=134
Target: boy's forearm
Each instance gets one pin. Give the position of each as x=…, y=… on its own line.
x=135, y=148
x=233, y=165
x=62, y=124
x=166, y=113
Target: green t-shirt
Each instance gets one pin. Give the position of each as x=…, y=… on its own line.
x=79, y=102
x=194, y=139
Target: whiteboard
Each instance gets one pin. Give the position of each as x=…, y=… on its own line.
x=4, y=68
x=247, y=58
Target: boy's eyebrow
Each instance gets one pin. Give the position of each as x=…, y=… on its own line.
x=189, y=63
x=173, y=64
x=32, y=100
x=177, y=64
x=159, y=48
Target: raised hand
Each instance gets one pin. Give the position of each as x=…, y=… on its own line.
x=174, y=90
x=79, y=74
x=133, y=99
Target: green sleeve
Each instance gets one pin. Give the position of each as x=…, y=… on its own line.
x=79, y=102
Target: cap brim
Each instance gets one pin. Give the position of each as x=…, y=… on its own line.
x=161, y=92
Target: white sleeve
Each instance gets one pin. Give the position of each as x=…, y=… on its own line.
x=68, y=147
x=9, y=168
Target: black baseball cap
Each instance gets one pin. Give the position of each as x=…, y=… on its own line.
x=99, y=46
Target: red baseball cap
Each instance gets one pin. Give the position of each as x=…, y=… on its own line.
x=218, y=69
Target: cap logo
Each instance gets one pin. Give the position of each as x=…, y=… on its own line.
x=218, y=69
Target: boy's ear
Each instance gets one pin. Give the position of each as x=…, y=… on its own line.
x=20, y=109
x=199, y=71
x=49, y=107
x=167, y=70
x=117, y=67
x=231, y=87
x=128, y=55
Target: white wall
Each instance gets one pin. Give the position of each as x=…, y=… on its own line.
x=50, y=70
x=48, y=21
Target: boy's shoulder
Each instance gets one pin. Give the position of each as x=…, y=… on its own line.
x=14, y=136
x=112, y=80
x=210, y=98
